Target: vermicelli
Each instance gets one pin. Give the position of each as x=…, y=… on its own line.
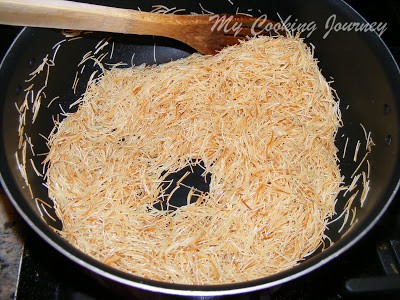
x=262, y=120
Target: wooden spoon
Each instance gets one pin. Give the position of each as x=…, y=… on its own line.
x=205, y=33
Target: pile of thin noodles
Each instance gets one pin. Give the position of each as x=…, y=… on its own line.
x=262, y=120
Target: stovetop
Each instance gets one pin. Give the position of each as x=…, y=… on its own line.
x=369, y=269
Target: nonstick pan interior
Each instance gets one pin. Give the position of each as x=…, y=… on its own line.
x=364, y=75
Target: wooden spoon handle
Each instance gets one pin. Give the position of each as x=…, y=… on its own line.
x=81, y=16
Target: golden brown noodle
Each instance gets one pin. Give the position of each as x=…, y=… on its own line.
x=259, y=115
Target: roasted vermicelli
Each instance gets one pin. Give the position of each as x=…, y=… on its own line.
x=260, y=117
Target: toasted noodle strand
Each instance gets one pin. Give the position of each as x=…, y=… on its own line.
x=261, y=118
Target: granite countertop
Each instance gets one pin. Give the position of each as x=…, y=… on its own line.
x=11, y=247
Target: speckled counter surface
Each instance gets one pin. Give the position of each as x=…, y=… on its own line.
x=11, y=247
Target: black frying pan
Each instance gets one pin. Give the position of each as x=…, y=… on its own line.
x=365, y=75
